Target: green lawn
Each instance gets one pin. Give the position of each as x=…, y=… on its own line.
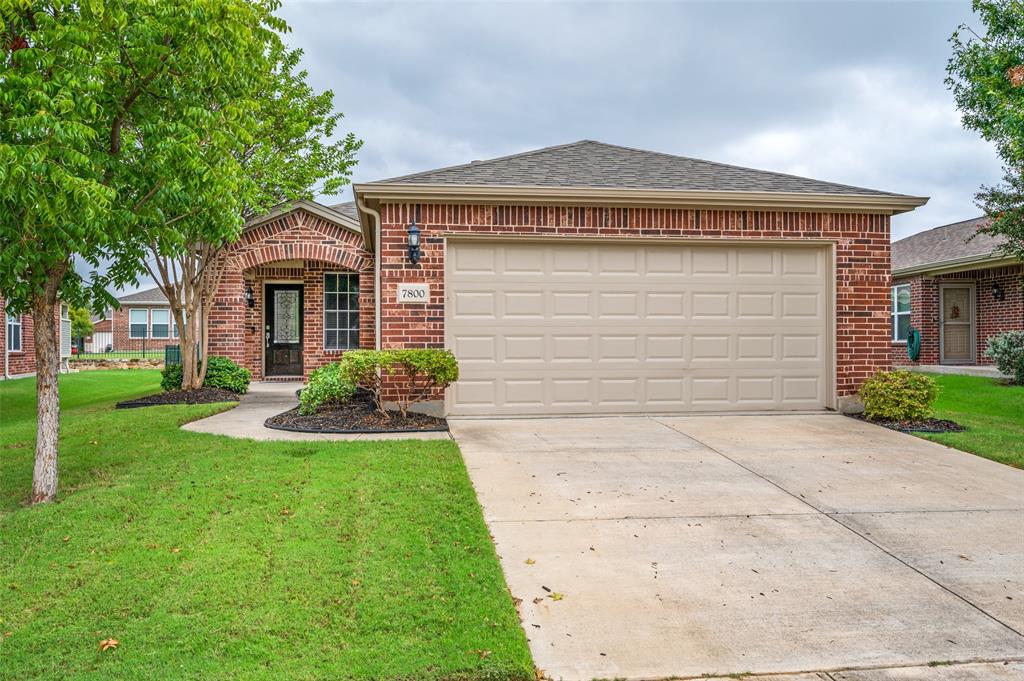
x=992, y=411
x=211, y=558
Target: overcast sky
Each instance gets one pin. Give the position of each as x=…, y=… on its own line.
x=849, y=92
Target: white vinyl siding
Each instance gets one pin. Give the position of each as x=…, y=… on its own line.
x=138, y=322
x=341, y=311
x=900, y=313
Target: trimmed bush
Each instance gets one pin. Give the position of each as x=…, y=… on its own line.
x=221, y=372
x=422, y=372
x=898, y=396
x=328, y=385
x=1007, y=351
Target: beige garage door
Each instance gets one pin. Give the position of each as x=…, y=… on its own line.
x=582, y=327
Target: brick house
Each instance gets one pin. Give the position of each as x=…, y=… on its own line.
x=18, y=340
x=143, y=322
x=957, y=291
x=582, y=278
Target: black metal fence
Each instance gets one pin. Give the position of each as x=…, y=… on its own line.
x=144, y=349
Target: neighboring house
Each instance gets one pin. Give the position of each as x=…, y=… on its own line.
x=582, y=278
x=143, y=321
x=957, y=291
x=18, y=340
x=102, y=338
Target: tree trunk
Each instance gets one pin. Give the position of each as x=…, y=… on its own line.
x=44, y=475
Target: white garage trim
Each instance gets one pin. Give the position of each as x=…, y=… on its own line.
x=742, y=360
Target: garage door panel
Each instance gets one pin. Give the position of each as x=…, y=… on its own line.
x=593, y=328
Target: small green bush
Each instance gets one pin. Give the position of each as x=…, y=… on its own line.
x=898, y=396
x=221, y=372
x=328, y=385
x=1007, y=350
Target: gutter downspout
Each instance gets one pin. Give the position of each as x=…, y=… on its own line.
x=376, y=270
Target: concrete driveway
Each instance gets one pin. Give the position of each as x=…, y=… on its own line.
x=815, y=546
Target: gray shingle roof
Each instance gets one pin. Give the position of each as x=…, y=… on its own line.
x=948, y=242
x=598, y=165
x=348, y=209
x=150, y=296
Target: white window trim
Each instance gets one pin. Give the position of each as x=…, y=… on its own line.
x=14, y=320
x=323, y=321
x=152, y=334
x=145, y=335
x=894, y=315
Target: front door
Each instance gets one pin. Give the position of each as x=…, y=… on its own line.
x=283, y=339
x=957, y=325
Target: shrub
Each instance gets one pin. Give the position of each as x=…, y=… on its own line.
x=221, y=372
x=328, y=385
x=422, y=372
x=898, y=396
x=1007, y=350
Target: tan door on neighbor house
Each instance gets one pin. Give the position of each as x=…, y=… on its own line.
x=582, y=327
x=957, y=336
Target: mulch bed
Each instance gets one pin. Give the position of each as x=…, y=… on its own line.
x=199, y=396
x=923, y=426
x=359, y=415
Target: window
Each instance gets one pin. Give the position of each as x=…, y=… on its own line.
x=161, y=320
x=341, y=311
x=174, y=327
x=14, y=333
x=900, y=312
x=138, y=322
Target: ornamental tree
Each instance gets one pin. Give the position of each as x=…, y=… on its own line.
x=283, y=153
x=108, y=109
x=986, y=76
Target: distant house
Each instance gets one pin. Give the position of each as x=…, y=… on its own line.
x=957, y=291
x=102, y=338
x=143, y=322
x=18, y=340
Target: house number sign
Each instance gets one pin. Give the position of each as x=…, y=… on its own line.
x=414, y=293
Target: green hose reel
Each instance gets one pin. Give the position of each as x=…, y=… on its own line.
x=913, y=344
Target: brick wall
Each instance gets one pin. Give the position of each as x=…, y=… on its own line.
x=23, y=362
x=304, y=247
x=862, y=262
x=991, y=316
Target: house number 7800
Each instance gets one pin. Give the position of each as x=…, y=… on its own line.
x=413, y=293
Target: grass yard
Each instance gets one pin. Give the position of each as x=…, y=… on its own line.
x=212, y=558
x=993, y=413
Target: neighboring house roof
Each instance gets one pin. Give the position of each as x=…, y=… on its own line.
x=945, y=245
x=103, y=325
x=150, y=296
x=598, y=165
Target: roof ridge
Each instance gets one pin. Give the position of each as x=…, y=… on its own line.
x=932, y=229
x=471, y=164
x=739, y=167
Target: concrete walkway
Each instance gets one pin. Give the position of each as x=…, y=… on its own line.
x=266, y=399
x=646, y=548
x=958, y=369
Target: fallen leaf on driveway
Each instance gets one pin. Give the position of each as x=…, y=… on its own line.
x=556, y=596
x=530, y=561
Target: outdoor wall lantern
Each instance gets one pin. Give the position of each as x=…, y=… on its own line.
x=997, y=292
x=414, y=243
x=250, y=299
